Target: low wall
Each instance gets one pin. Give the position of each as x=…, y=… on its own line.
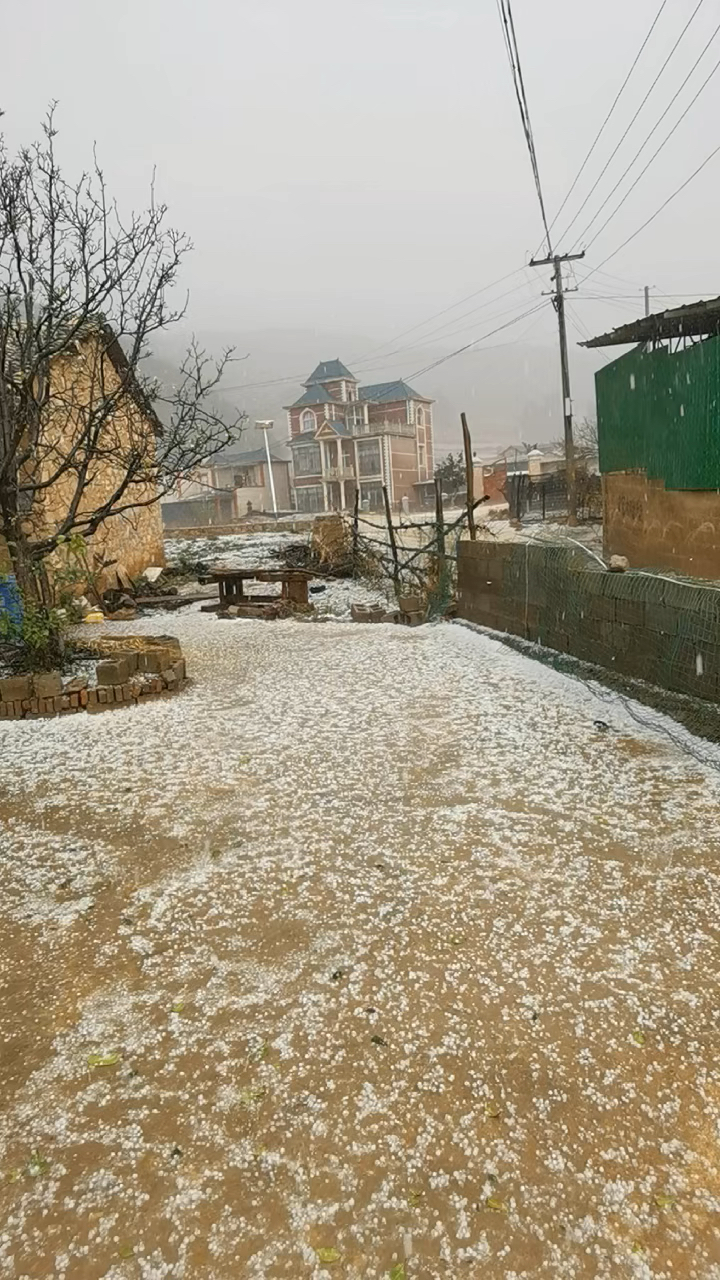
x=128, y=670
x=643, y=627
x=242, y=526
x=659, y=528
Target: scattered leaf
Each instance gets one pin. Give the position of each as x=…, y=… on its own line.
x=492, y=1202
x=14, y=1175
x=178, y=1006
x=126, y=1251
x=259, y=1053
x=248, y=1097
x=664, y=1202
x=103, y=1059
x=639, y=1037
x=378, y=1040
x=397, y=1272
x=415, y=1198
x=456, y=939
x=245, y=759
x=492, y=1110
x=337, y=975
x=215, y=854
x=637, y=1247
x=328, y=1255
x=37, y=1164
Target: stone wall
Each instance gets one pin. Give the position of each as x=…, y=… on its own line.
x=643, y=627
x=134, y=538
x=659, y=528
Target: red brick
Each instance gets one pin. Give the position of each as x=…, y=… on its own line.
x=102, y=695
x=74, y=700
x=84, y=697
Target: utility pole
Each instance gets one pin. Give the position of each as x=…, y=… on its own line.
x=647, y=299
x=555, y=261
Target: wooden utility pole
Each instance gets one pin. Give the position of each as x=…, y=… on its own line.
x=469, y=477
x=556, y=261
x=647, y=299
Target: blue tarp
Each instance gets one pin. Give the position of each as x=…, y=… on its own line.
x=10, y=603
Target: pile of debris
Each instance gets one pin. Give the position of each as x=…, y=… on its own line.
x=409, y=613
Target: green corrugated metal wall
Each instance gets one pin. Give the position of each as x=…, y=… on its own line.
x=661, y=413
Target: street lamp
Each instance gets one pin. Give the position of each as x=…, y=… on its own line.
x=265, y=426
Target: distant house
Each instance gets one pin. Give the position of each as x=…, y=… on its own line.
x=232, y=486
x=345, y=437
x=658, y=409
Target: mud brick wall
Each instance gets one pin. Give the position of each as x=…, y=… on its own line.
x=644, y=627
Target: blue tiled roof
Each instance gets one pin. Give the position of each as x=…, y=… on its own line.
x=327, y=371
x=313, y=395
x=383, y=392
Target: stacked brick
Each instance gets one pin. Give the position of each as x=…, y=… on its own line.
x=129, y=677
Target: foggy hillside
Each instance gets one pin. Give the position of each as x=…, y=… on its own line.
x=510, y=392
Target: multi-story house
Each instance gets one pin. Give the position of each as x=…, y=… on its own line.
x=345, y=437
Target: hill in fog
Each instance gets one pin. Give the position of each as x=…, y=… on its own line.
x=510, y=392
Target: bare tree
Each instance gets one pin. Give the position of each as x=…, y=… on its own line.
x=586, y=441
x=83, y=289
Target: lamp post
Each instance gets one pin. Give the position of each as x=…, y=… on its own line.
x=265, y=426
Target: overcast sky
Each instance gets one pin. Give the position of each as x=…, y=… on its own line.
x=356, y=165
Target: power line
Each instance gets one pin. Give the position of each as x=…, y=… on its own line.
x=653, y=157
x=421, y=325
x=606, y=121
x=439, y=329
x=468, y=345
x=653, y=216
x=360, y=364
x=604, y=170
x=511, y=45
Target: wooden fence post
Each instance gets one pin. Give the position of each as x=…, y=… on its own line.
x=469, y=478
x=393, y=543
x=356, y=518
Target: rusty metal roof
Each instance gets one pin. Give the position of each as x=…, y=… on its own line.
x=696, y=319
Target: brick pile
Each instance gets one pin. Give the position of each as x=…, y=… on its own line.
x=129, y=677
x=409, y=613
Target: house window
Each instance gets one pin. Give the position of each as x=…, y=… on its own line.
x=420, y=416
x=306, y=460
x=246, y=479
x=369, y=458
x=371, y=497
x=307, y=421
x=310, y=497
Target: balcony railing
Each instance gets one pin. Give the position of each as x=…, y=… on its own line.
x=339, y=473
x=382, y=428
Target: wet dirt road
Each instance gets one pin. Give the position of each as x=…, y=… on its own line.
x=369, y=956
